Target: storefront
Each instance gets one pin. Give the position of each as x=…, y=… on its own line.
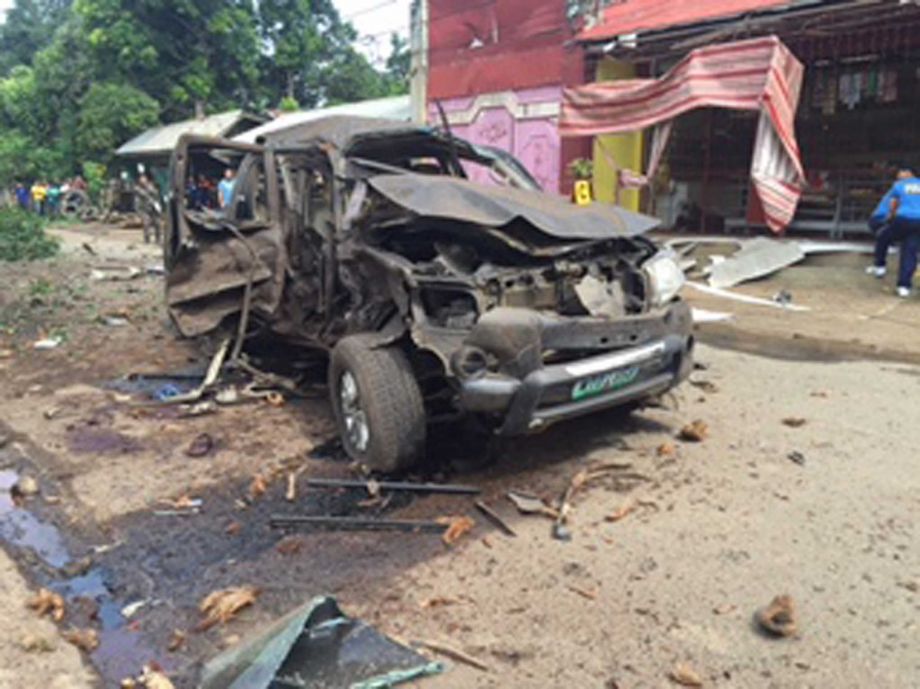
x=855, y=121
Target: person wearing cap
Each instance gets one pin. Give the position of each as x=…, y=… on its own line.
x=897, y=219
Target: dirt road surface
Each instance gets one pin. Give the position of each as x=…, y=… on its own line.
x=668, y=558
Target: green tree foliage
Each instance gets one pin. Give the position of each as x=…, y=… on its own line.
x=29, y=26
x=23, y=238
x=79, y=77
x=110, y=114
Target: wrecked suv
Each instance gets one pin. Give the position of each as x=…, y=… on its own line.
x=439, y=280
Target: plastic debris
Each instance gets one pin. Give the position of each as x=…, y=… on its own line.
x=48, y=343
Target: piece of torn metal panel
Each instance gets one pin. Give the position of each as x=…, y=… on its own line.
x=744, y=298
x=317, y=646
x=707, y=316
x=757, y=258
x=814, y=246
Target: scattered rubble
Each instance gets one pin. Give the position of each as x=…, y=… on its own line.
x=35, y=643
x=779, y=617
x=694, y=432
x=685, y=676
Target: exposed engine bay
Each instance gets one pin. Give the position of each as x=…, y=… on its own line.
x=439, y=252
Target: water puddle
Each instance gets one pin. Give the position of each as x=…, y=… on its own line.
x=122, y=652
x=21, y=528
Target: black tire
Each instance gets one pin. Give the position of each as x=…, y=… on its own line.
x=390, y=399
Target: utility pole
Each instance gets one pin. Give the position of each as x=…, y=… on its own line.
x=418, y=72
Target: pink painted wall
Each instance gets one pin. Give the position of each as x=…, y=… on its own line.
x=534, y=141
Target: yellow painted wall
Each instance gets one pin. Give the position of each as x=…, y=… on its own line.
x=626, y=149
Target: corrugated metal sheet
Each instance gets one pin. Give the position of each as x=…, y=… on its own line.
x=392, y=108
x=633, y=16
x=162, y=140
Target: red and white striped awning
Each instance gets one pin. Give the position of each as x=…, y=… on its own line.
x=756, y=74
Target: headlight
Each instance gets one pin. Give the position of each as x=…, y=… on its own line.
x=665, y=278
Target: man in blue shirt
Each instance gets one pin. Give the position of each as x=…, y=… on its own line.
x=225, y=189
x=22, y=196
x=897, y=219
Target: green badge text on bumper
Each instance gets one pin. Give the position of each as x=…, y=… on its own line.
x=605, y=382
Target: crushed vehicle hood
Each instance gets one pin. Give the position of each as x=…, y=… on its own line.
x=452, y=198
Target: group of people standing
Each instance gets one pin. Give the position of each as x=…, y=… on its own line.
x=46, y=198
x=202, y=193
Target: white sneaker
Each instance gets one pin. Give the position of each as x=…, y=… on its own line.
x=877, y=271
x=903, y=292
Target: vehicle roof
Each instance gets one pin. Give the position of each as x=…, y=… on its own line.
x=340, y=130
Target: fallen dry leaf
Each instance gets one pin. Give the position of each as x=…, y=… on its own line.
x=694, y=432
x=437, y=602
x=221, y=606
x=666, y=450
x=724, y=609
x=290, y=545
x=584, y=593
x=258, y=486
x=154, y=679
x=233, y=528
x=621, y=511
x=686, y=676
x=176, y=641
x=794, y=421
x=84, y=639
x=457, y=527
x=47, y=602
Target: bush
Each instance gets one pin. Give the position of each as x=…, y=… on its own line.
x=23, y=238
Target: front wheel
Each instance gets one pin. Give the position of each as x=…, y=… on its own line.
x=377, y=403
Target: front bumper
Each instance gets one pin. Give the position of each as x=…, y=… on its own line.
x=565, y=390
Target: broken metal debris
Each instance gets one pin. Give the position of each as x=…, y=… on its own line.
x=201, y=445
x=280, y=521
x=493, y=517
x=779, y=617
x=219, y=607
x=797, y=457
x=744, y=298
x=394, y=485
x=531, y=504
x=319, y=647
x=794, y=421
x=756, y=258
x=694, y=432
